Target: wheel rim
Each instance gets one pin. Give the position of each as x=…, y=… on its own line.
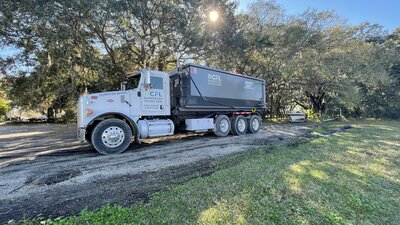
x=241, y=125
x=255, y=124
x=224, y=126
x=113, y=136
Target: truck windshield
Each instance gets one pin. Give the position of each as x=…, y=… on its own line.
x=133, y=82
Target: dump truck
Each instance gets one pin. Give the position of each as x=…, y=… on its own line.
x=190, y=98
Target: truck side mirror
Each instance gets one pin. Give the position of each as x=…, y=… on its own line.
x=147, y=77
x=123, y=85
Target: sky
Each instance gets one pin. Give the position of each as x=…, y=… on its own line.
x=383, y=12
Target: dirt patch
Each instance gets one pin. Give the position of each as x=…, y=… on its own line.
x=331, y=132
x=53, y=177
x=45, y=171
x=340, y=129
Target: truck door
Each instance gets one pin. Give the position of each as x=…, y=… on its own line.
x=154, y=97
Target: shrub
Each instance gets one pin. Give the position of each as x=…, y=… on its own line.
x=4, y=108
x=313, y=116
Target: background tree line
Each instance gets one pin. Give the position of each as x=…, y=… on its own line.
x=313, y=60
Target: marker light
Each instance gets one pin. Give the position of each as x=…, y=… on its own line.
x=89, y=112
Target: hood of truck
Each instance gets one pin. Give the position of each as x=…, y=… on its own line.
x=93, y=105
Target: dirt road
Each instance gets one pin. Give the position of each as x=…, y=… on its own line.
x=45, y=171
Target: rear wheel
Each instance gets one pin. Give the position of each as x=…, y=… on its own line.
x=222, y=126
x=254, y=124
x=111, y=136
x=239, y=125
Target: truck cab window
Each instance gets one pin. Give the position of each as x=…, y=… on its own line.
x=133, y=82
x=156, y=82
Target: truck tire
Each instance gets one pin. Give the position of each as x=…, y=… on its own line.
x=111, y=136
x=254, y=124
x=222, y=126
x=239, y=125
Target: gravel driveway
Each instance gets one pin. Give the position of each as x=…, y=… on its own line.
x=45, y=171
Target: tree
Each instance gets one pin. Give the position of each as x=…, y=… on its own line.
x=73, y=45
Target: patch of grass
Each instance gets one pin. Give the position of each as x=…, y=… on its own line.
x=276, y=120
x=348, y=178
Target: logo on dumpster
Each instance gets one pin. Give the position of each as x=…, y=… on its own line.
x=214, y=79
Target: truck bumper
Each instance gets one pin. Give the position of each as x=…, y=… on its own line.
x=81, y=134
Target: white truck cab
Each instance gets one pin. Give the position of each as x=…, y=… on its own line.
x=145, y=94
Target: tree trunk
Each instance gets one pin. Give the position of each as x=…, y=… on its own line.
x=317, y=100
x=50, y=113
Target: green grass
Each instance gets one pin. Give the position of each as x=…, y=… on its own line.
x=348, y=178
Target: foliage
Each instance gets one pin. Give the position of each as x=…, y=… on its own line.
x=4, y=108
x=313, y=60
x=317, y=181
x=313, y=116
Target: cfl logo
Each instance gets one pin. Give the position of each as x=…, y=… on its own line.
x=152, y=94
x=214, y=77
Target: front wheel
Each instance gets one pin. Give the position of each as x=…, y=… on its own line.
x=111, y=136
